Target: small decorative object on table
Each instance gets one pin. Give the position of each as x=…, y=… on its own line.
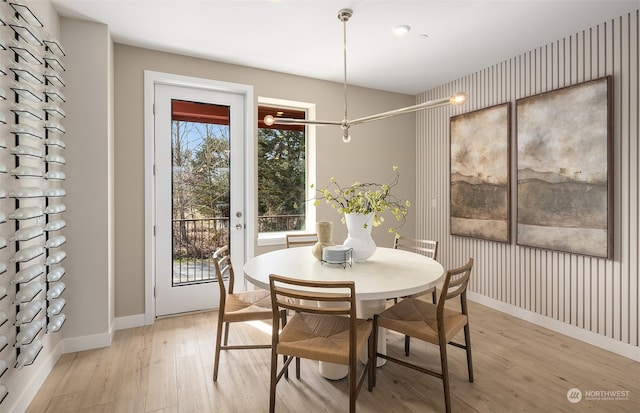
x=338, y=254
x=325, y=238
x=362, y=205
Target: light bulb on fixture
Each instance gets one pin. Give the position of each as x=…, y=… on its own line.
x=346, y=138
x=458, y=99
x=344, y=15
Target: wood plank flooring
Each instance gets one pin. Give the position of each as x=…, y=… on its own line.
x=167, y=367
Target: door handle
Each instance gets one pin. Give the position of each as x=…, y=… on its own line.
x=239, y=227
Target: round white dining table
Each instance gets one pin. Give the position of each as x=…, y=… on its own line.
x=389, y=273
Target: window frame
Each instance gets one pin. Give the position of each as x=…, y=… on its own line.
x=278, y=238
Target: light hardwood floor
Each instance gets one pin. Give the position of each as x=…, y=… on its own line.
x=167, y=367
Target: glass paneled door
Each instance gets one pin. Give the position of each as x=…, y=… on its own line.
x=199, y=193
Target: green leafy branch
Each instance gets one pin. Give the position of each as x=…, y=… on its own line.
x=365, y=198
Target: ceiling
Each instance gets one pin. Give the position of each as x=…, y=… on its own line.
x=305, y=37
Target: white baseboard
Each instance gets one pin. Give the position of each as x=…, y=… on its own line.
x=70, y=345
x=36, y=380
x=605, y=343
x=122, y=323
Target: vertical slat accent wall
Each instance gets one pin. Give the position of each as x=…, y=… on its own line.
x=597, y=295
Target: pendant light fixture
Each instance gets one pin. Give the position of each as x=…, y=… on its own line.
x=344, y=15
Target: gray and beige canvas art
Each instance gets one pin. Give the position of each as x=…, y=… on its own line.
x=480, y=174
x=563, y=147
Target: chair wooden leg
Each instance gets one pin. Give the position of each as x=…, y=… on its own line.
x=226, y=334
x=216, y=355
x=283, y=322
x=374, y=354
x=353, y=383
x=286, y=372
x=370, y=363
x=273, y=382
x=445, y=374
x=467, y=341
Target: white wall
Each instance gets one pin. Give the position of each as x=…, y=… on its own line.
x=89, y=184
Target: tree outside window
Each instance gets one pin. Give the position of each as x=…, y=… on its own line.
x=200, y=185
x=281, y=173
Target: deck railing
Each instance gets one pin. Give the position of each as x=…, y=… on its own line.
x=280, y=223
x=195, y=241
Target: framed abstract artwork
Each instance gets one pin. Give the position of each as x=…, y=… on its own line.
x=479, y=176
x=564, y=169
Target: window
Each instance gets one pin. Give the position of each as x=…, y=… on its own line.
x=285, y=171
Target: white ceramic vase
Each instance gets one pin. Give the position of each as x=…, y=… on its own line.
x=359, y=228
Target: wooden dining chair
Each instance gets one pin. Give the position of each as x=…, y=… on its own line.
x=329, y=332
x=425, y=247
x=236, y=307
x=421, y=246
x=299, y=240
x=433, y=323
